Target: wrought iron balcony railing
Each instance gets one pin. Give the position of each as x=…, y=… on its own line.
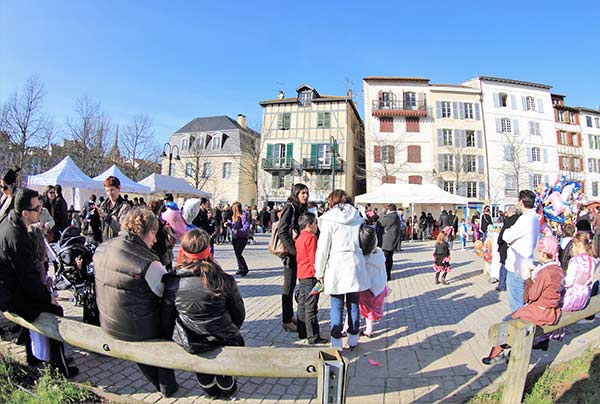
x=319, y=164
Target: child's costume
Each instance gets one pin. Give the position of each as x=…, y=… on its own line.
x=371, y=300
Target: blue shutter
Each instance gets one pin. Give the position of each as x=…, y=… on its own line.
x=516, y=126
x=477, y=112
x=540, y=106
x=496, y=100
x=479, y=139
x=269, y=152
x=524, y=100
x=438, y=108
x=314, y=155
x=480, y=164
x=455, y=110
x=440, y=137
x=481, y=190
x=499, y=125
x=545, y=151
x=289, y=153
x=513, y=101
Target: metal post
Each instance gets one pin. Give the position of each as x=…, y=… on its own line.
x=171, y=148
x=333, y=143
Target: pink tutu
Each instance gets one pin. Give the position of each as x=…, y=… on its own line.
x=371, y=306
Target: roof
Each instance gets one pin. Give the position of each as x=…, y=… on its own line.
x=210, y=123
x=590, y=110
x=516, y=82
x=320, y=98
x=397, y=78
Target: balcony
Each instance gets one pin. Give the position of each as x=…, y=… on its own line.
x=323, y=165
x=399, y=108
x=278, y=164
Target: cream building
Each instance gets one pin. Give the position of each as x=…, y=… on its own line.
x=218, y=155
x=310, y=138
x=589, y=123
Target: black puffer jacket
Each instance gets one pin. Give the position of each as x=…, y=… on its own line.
x=196, y=318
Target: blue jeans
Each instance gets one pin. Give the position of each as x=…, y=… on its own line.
x=502, y=278
x=336, y=314
x=516, y=287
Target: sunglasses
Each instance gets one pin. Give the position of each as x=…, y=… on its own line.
x=36, y=209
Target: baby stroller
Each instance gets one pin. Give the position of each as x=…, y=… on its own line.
x=78, y=276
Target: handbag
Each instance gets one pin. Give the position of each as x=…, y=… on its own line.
x=276, y=246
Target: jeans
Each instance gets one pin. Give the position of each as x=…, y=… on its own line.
x=502, y=278
x=308, y=324
x=290, y=268
x=389, y=263
x=238, y=247
x=336, y=314
x=516, y=287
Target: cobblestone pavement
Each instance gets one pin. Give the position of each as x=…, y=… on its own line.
x=429, y=344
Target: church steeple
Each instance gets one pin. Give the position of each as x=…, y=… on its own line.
x=114, y=153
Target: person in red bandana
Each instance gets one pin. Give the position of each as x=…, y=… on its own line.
x=202, y=308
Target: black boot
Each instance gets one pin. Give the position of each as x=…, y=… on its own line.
x=444, y=278
x=437, y=278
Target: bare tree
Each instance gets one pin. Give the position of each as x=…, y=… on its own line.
x=140, y=151
x=515, y=156
x=251, y=148
x=89, y=130
x=385, y=152
x=24, y=121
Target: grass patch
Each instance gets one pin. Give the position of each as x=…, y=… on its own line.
x=575, y=381
x=20, y=384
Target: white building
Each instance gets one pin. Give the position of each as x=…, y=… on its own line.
x=589, y=120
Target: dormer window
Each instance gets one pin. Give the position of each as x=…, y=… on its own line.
x=305, y=97
x=185, y=144
x=216, y=142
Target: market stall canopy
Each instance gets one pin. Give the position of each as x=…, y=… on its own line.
x=406, y=194
x=161, y=184
x=127, y=184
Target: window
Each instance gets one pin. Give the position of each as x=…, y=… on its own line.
x=510, y=185
x=503, y=99
x=305, y=97
x=537, y=180
x=226, y=170
x=563, y=137
x=594, y=188
x=324, y=120
x=387, y=154
x=324, y=155
x=510, y=152
x=388, y=179
x=593, y=165
x=471, y=189
x=207, y=170
x=536, y=154
x=279, y=154
x=560, y=116
x=185, y=144
x=448, y=162
x=588, y=121
x=410, y=100
x=576, y=164
x=564, y=165
x=415, y=179
x=468, y=110
x=449, y=186
x=278, y=180
x=414, y=154
x=283, y=121
x=386, y=124
x=534, y=128
x=594, y=142
x=216, y=142
x=446, y=109
x=189, y=170
x=574, y=139
x=506, y=126
x=470, y=163
x=571, y=117
x=597, y=122
x=412, y=124
x=470, y=138
x=530, y=101
x=385, y=100
x=446, y=137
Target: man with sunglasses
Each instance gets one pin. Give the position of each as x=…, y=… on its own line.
x=21, y=289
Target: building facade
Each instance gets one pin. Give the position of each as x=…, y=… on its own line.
x=589, y=127
x=218, y=155
x=520, y=135
x=569, y=141
x=313, y=139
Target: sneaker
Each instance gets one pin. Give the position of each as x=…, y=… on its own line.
x=289, y=327
x=319, y=341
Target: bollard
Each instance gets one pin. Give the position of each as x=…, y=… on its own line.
x=332, y=378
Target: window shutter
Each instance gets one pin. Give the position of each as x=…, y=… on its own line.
x=314, y=154
x=579, y=139
x=461, y=110
x=545, y=151
x=481, y=190
x=513, y=101
x=531, y=128
x=560, y=162
x=438, y=108
x=477, y=112
x=591, y=142
x=455, y=113
x=524, y=100
x=289, y=152
x=569, y=139
x=391, y=154
x=440, y=137
x=537, y=129
x=463, y=137
x=506, y=153
x=540, y=105
x=531, y=180
x=499, y=125
x=515, y=127
x=480, y=164
x=420, y=100
x=379, y=97
x=479, y=140
x=496, y=100
x=377, y=154
x=546, y=179
x=269, y=151
x=275, y=180
x=441, y=163
x=279, y=121
x=288, y=182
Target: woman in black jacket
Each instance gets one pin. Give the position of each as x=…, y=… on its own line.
x=288, y=225
x=391, y=231
x=202, y=308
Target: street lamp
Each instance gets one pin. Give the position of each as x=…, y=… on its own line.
x=333, y=146
x=172, y=149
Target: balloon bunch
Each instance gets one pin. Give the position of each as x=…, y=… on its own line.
x=560, y=202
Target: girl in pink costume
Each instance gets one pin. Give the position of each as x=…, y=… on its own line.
x=371, y=300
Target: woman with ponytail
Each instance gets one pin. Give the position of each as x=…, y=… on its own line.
x=202, y=308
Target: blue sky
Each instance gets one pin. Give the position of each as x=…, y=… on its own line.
x=178, y=60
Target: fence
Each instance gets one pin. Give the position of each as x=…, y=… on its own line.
x=327, y=365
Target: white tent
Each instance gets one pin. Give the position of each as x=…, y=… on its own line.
x=407, y=194
x=127, y=184
x=161, y=184
x=77, y=187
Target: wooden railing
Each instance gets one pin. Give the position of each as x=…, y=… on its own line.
x=519, y=335
x=327, y=365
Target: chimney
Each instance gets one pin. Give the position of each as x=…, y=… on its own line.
x=241, y=120
x=280, y=95
x=349, y=93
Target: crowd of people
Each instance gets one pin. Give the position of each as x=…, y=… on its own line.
x=144, y=292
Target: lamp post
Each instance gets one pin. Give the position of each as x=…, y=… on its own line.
x=333, y=146
x=172, y=149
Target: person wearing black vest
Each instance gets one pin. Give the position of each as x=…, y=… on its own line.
x=129, y=289
x=510, y=218
x=288, y=224
x=486, y=220
x=391, y=231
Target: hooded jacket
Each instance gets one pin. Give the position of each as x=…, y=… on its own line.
x=339, y=259
x=391, y=231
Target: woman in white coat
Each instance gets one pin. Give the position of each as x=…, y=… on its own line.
x=340, y=265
